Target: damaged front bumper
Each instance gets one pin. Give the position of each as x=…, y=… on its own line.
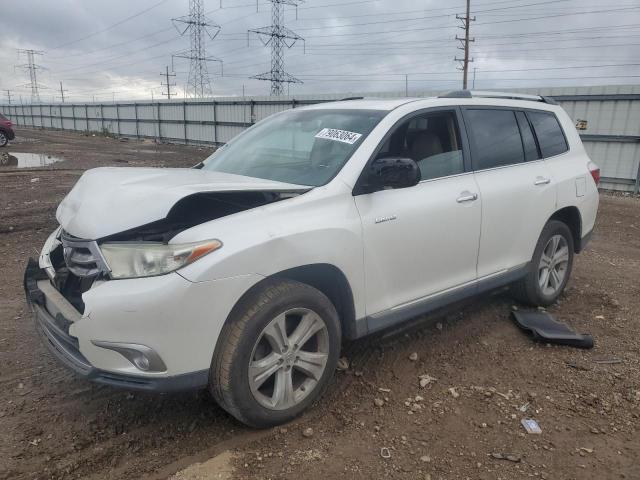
x=54, y=316
x=152, y=333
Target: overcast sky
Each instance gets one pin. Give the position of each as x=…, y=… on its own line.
x=118, y=48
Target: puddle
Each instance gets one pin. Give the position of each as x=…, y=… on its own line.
x=27, y=160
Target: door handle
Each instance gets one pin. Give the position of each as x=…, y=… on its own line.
x=542, y=181
x=467, y=197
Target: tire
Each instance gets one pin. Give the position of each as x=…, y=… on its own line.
x=536, y=288
x=251, y=337
x=3, y=139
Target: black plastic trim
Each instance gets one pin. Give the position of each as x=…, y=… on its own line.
x=393, y=317
x=584, y=241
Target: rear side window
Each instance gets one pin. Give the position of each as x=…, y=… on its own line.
x=495, y=138
x=550, y=136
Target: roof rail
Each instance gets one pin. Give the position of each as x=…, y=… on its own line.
x=505, y=95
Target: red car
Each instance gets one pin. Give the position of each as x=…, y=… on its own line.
x=6, y=132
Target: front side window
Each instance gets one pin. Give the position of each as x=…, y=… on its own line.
x=303, y=147
x=432, y=140
x=495, y=138
x=549, y=133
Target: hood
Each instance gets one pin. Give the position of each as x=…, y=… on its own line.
x=109, y=200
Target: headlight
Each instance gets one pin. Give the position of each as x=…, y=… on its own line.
x=131, y=260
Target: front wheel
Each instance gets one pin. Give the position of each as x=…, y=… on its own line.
x=3, y=139
x=276, y=354
x=550, y=266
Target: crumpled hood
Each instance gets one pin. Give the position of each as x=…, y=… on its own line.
x=110, y=200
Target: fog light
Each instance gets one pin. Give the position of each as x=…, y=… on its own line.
x=142, y=357
x=141, y=362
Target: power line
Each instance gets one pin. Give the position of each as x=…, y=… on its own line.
x=279, y=37
x=62, y=92
x=32, y=68
x=198, y=25
x=168, y=84
x=135, y=15
x=464, y=41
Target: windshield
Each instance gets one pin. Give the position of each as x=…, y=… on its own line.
x=304, y=147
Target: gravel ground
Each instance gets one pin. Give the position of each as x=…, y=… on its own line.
x=467, y=415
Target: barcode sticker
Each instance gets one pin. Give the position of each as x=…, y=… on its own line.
x=343, y=136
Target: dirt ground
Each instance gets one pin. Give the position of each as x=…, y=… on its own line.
x=482, y=369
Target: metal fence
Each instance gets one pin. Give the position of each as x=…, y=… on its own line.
x=608, y=119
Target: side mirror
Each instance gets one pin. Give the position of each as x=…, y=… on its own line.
x=392, y=172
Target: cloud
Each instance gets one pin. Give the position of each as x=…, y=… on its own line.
x=350, y=46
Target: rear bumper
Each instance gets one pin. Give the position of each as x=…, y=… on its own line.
x=54, y=332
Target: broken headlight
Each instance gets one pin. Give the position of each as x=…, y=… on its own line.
x=140, y=259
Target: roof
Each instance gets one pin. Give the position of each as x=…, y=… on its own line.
x=366, y=103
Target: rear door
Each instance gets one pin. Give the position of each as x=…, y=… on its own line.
x=517, y=191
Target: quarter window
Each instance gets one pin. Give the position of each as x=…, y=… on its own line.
x=550, y=136
x=495, y=138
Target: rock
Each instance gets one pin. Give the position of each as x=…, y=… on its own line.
x=439, y=326
x=35, y=180
x=413, y=357
x=506, y=456
x=418, y=398
x=307, y=432
x=454, y=392
x=378, y=402
x=343, y=364
x=426, y=379
x=425, y=458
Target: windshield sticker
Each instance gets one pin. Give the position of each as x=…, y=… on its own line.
x=343, y=136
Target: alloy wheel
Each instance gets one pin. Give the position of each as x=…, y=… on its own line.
x=289, y=359
x=553, y=265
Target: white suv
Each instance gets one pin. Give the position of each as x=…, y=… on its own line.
x=244, y=274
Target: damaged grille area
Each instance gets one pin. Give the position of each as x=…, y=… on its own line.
x=77, y=264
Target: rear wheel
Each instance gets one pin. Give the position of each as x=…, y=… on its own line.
x=277, y=353
x=3, y=139
x=550, y=266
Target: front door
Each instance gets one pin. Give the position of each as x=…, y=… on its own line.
x=422, y=240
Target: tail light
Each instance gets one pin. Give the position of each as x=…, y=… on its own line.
x=595, y=172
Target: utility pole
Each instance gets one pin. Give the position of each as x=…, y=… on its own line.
x=197, y=24
x=474, y=78
x=464, y=41
x=9, y=96
x=406, y=84
x=278, y=36
x=62, y=92
x=168, y=84
x=32, y=68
